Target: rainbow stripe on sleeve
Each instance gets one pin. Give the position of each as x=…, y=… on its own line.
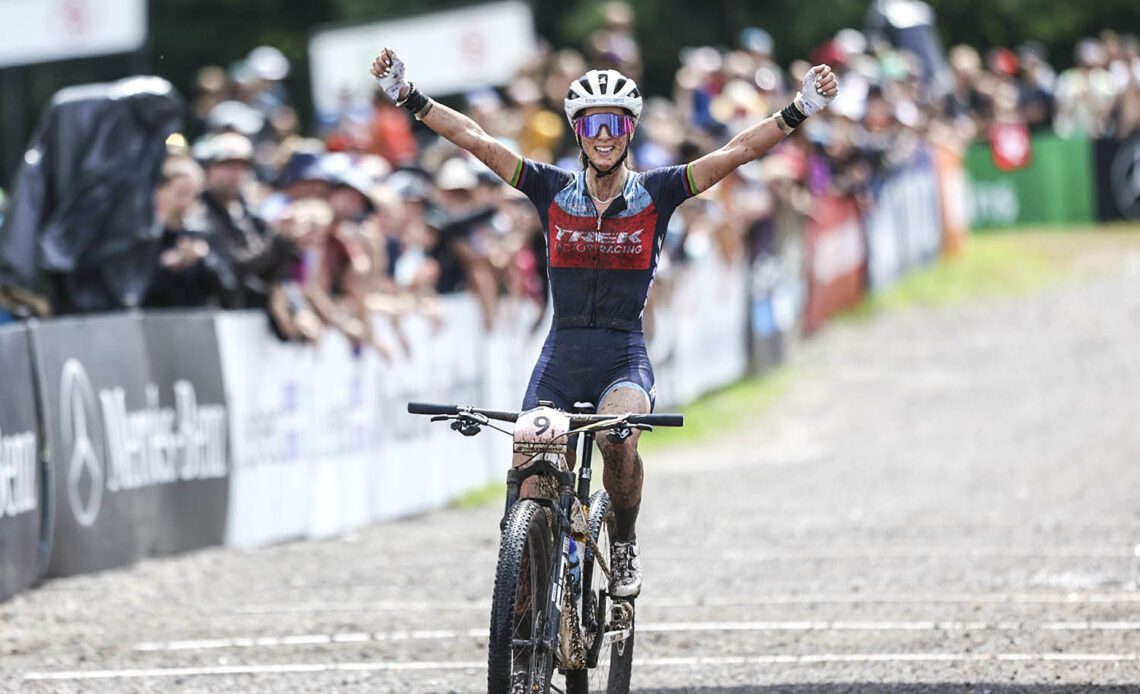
x=690, y=180
x=520, y=172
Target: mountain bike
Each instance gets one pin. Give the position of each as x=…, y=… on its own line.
x=551, y=606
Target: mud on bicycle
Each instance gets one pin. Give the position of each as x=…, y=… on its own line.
x=551, y=606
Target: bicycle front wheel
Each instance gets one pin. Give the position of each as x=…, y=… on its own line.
x=516, y=662
x=600, y=614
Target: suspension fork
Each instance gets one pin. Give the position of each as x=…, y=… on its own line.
x=585, y=472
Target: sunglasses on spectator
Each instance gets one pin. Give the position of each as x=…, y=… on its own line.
x=591, y=126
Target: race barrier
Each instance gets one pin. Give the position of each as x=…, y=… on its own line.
x=904, y=226
x=1055, y=185
x=777, y=291
x=837, y=256
x=1117, y=166
x=24, y=512
x=139, y=463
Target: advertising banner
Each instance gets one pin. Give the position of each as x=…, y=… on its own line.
x=186, y=374
x=904, y=225
x=37, y=31
x=777, y=293
x=1118, y=179
x=836, y=260
x=419, y=465
x=268, y=385
x=92, y=374
x=1055, y=187
x=453, y=51
x=116, y=449
x=24, y=513
x=953, y=197
x=711, y=347
x=133, y=452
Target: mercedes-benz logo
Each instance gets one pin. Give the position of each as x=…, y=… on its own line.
x=1125, y=177
x=78, y=423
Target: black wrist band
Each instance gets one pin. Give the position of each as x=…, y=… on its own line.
x=792, y=115
x=414, y=101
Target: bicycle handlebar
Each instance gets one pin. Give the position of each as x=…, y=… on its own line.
x=576, y=420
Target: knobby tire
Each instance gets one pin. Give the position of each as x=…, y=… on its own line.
x=518, y=609
x=615, y=664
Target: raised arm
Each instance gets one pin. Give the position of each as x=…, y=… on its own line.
x=819, y=88
x=388, y=70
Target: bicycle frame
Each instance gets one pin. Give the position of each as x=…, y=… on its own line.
x=536, y=433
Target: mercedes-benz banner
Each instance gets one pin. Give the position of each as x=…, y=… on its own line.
x=124, y=443
x=186, y=370
x=24, y=529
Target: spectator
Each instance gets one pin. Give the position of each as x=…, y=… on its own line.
x=189, y=271
x=1085, y=93
x=259, y=256
x=614, y=45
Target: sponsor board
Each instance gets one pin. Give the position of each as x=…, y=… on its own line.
x=186, y=378
x=453, y=51
x=904, y=226
x=1054, y=186
x=37, y=31
x=116, y=449
x=1117, y=165
x=24, y=528
x=836, y=260
x=710, y=348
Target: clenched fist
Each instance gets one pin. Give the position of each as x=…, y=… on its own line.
x=388, y=70
x=819, y=88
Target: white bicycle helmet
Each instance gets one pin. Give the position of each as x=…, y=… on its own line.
x=602, y=88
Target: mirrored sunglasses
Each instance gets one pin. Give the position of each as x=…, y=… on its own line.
x=591, y=126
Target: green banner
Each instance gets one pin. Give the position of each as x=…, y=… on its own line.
x=1055, y=188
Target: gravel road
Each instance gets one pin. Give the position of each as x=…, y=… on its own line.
x=944, y=500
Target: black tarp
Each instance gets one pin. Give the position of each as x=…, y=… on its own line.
x=81, y=222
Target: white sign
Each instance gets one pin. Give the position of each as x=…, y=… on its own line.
x=445, y=52
x=18, y=474
x=37, y=31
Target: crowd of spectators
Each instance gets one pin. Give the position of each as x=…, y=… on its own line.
x=374, y=214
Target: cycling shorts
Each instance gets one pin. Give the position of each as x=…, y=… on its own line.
x=586, y=364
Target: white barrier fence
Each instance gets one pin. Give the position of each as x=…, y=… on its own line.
x=321, y=441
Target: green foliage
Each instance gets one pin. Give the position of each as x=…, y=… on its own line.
x=1059, y=25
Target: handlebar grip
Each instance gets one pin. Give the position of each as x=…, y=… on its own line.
x=659, y=420
x=429, y=408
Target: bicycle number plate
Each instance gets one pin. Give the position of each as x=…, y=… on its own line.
x=542, y=429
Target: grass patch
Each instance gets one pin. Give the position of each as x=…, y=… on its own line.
x=1012, y=263
x=722, y=410
x=991, y=266
x=494, y=493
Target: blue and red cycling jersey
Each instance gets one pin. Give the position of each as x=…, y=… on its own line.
x=601, y=268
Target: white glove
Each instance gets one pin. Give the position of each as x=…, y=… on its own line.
x=811, y=100
x=390, y=77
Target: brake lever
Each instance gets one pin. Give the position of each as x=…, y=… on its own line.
x=441, y=418
x=469, y=423
x=466, y=428
x=620, y=434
